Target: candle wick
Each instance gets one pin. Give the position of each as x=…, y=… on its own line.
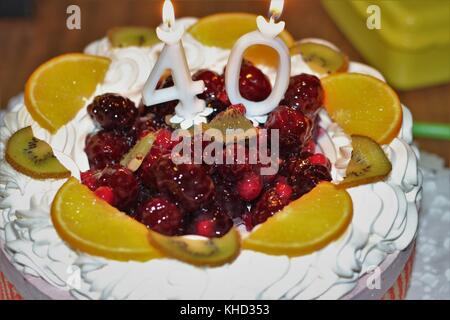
x=274, y=15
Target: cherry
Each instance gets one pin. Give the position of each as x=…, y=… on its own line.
x=250, y=186
x=283, y=190
x=205, y=228
x=254, y=85
x=105, y=193
x=305, y=93
x=295, y=129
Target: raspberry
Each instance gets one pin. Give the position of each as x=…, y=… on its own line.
x=162, y=146
x=123, y=183
x=105, y=148
x=112, y=111
x=187, y=184
x=162, y=216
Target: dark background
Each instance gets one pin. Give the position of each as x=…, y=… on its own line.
x=26, y=42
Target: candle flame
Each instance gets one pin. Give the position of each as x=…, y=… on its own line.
x=276, y=8
x=168, y=13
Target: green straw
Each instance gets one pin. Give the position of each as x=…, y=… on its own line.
x=431, y=130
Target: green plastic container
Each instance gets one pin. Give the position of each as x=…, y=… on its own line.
x=412, y=47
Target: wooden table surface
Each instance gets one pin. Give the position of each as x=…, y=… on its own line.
x=26, y=43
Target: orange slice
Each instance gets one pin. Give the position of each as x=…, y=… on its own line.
x=60, y=87
x=91, y=225
x=363, y=105
x=306, y=225
x=224, y=29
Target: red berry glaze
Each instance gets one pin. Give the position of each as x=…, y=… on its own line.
x=227, y=198
x=162, y=216
x=160, y=111
x=270, y=202
x=239, y=107
x=236, y=163
x=210, y=222
x=320, y=159
x=305, y=93
x=90, y=179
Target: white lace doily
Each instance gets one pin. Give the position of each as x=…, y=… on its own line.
x=431, y=273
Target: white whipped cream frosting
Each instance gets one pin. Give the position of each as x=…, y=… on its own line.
x=385, y=213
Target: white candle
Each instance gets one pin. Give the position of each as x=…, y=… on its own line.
x=190, y=110
x=267, y=34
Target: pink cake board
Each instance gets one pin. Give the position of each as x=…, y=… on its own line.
x=34, y=288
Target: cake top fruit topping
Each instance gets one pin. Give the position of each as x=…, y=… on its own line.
x=148, y=194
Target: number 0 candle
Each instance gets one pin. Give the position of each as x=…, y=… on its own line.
x=190, y=109
x=267, y=34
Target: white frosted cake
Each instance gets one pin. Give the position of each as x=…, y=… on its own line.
x=43, y=265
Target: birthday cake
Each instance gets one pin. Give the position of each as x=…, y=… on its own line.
x=96, y=204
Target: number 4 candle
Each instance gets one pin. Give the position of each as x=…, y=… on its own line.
x=267, y=34
x=190, y=110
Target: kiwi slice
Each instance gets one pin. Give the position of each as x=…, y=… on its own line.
x=232, y=119
x=121, y=37
x=368, y=164
x=134, y=158
x=33, y=157
x=202, y=252
x=321, y=58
